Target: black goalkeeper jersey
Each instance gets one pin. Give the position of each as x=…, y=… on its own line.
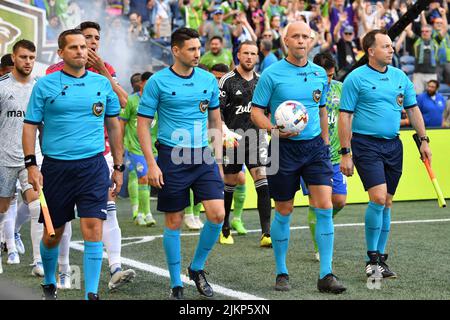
x=236, y=95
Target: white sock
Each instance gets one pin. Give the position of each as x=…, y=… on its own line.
x=23, y=215
x=9, y=224
x=64, y=245
x=36, y=229
x=112, y=235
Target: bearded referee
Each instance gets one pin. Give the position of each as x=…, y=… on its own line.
x=74, y=105
x=373, y=97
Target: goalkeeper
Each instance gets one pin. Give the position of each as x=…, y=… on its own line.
x=236, y=93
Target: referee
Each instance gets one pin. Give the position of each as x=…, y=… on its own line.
x=372, y=101
x=73, y=104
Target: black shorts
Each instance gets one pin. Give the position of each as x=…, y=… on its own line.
x=378, y=161
x=83, y=183
x=251, y=152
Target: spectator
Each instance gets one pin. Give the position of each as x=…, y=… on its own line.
x=343, y=14
x=219, y=70
x=244, y=32
x=135, y=82
x=255, y=17
x=141, y=8
x=192, y=12
x=322, y=39
x=6, y=65
x=163, y=21
x=277, y=31
x=217, y=54
x=136, y=31
x=268, y=56
x=73, y=16
x=54, y=28
x=231, y=9
x=347, y=47
x=218, y=27
x=368, y=18
x=426, y=51
x=272, y=8
x=431, y=104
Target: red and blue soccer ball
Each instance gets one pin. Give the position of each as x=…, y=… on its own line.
x=291, y=116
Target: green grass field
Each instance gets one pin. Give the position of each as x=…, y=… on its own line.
x=418, y=250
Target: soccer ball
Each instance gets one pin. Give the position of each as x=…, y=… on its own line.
x=291, y=116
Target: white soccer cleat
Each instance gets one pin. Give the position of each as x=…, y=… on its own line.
x=317, y=256
x=149, y=220
x=120, y=278
x=64, y=281
x=140, y=220
x=13, y=258
x=198, y=221
x=38, y=270
x=190, y=222
x=19, y=244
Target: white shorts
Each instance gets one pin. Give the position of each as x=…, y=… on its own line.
x=9, y=177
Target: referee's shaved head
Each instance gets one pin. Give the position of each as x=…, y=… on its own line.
x=298, y=40
x=294, y=26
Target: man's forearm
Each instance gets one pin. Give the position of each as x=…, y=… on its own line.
x=416, y=120
x=215, y=123
x=121, y=93
x=29, y=139
x=345, y=129
x=145, y=139
x=115, y=139
x=260, y=120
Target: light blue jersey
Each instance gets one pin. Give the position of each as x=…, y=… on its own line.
x=73, y=112
x=182, y=104
x=377, y=99
x=286, y=81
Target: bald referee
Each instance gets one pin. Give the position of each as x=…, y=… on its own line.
x=73, y=104
x=372, y=100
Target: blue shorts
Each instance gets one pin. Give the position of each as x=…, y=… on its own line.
x=339, y=182
x=309, y=159
x=83, y=183
x=135, y=162
x=204, y=179
x=378, y=161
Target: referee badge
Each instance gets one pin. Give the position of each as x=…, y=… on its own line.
x=203, y=105
x=97, y=108
x=316, y=95
x=400, y=98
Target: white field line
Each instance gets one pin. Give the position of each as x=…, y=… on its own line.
x=77, y=245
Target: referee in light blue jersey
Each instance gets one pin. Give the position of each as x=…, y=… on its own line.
x=372, y=99
x=186, y=99
x=73, y=104
x=305, y=155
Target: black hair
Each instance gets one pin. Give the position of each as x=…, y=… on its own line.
x=27, y=44
x=181, y=35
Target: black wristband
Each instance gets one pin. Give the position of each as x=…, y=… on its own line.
x=30, y=160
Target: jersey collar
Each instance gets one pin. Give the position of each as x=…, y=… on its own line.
x=385, y=71
x=69, y=75
x=183, y=77
x=307, y=61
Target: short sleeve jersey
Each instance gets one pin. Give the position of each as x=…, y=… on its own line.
x=182, y=104
x=376, y=100
x=285, y=81
x=14, y=98
x=73, y=110
x=332, y=105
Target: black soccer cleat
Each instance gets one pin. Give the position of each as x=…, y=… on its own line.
x=384, y=268
x=372, y=267
x=93, y=296
x=201, y=283
x=282, y=282
x=176, y=293
x=49, y=292
x=330, y=284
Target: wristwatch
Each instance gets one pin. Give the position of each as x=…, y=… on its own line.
x=119, y=167
x=344, y=151
x=424, y=138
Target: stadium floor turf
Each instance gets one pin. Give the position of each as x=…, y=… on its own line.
x=418, y=252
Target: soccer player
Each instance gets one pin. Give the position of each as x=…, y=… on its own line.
x=373, y=97
x=135, y=160
x=15, y=91
x=186, y=99
x=339, y=191
x=74, y=171
x=305, y=154
x=236, y=92
x=112, y=235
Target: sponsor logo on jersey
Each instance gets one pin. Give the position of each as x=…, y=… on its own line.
x=244, y=109
x=97, y=108
x=316, y=95
x=238, y=92
x=400, y=98
x=15, y=114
